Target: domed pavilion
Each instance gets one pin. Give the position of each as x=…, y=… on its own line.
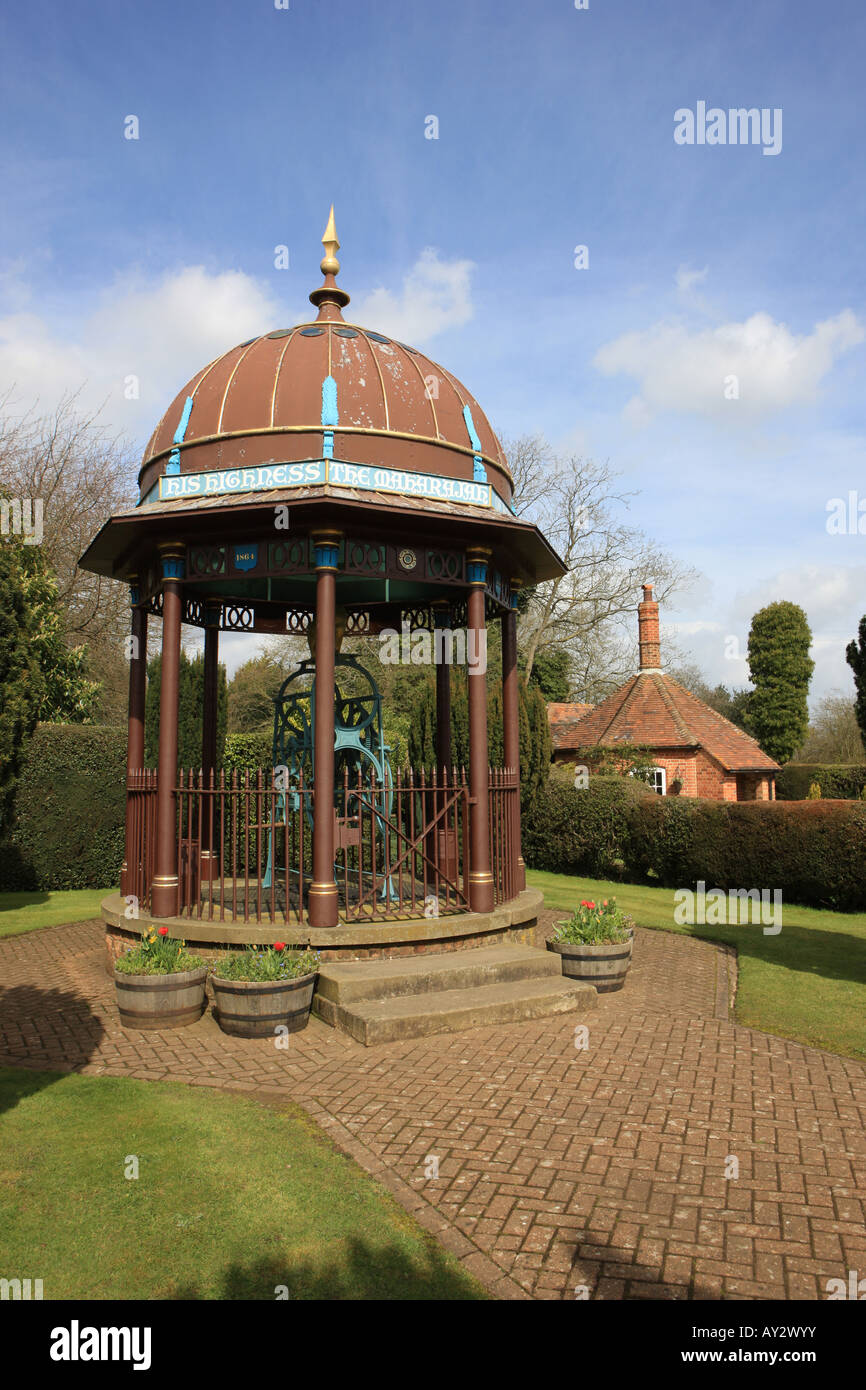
x=325, y=481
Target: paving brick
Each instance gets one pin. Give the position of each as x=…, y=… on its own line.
x=557, y=1167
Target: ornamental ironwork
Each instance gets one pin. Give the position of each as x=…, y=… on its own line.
x=445, y=566
x=498, y=587
x=418, y=618
x=237, y=618
x=358, y=623
x=290, y=556
x=364, y=557
x=460, y=613
x=193, y=612
x=204, y=561
x=298, y=620
x=407, y=559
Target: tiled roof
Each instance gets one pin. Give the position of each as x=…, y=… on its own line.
x=563, y=719
x=655, y=710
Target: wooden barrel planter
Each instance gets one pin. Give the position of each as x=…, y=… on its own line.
x=256, y=1008
x=605, y=965
x=161, y=1001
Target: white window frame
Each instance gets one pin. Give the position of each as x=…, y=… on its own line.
x=657, y=772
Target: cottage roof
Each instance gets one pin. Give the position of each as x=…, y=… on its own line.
x=563, y=717
x=653, y=709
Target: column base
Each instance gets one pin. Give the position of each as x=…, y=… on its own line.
x=209, y=865
x=322, y=906
x=481, y=894
x=163, y=896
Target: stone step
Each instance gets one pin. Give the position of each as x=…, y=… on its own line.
x=405, y=1016
x=353, y=981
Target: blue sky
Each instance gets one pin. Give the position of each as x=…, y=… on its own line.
x=555, y=129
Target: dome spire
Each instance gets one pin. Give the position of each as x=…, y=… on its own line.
x=329, y=298
x=331, y=243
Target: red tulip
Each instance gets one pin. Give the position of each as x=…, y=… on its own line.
x=163, y=931
x=279, y=945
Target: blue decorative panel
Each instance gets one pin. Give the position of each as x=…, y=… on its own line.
x=327, y=556
x=330, y=413
x=184, y=421
x=476, y=571
x=471, y=430
x=245, y=557
x=172, y=567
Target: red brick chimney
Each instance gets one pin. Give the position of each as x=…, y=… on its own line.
x=648, y=631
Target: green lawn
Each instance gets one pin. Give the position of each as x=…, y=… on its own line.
x=807, y=983
x=233, y=1199
x=20, y=912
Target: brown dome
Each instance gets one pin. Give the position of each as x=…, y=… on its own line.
x=262, y=403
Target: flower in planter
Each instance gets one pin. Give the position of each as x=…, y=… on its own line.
x=590, y=925
x=157, y=954
x=273, y=963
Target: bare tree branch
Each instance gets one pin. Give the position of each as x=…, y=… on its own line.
x=591, y=609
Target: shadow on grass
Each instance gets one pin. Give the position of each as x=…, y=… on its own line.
x=42, y=1031
x=804, y=950
x=365, y=1272
x=15, y=900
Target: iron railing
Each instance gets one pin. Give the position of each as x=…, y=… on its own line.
x=245, y=844
x=141, y=836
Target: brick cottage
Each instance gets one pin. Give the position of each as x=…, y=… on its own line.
x=696, y=751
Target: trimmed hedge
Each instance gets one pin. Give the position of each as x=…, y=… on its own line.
x=246, y=752
x=838, y=781
x=67, y=822
x=584, y=831
x=69, y=804
x=68, y=813
x=814, y=851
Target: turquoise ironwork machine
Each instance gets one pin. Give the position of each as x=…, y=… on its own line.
x=359, y=744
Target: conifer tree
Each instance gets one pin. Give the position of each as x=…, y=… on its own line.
x=189, y=712
x=780, y=668
x=855, y=655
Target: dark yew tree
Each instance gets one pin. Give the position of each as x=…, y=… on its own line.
x=551, y=672
x=780, y=668
x=855, y=655
x=534, y=730
x=189, y=712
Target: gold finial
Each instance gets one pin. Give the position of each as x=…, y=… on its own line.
x=330, y=265
x=329, y=297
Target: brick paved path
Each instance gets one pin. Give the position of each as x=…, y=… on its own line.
x=558, y=1167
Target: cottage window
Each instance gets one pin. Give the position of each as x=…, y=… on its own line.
x=657, y=779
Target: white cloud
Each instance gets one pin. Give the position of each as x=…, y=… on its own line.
x=160, y=331
x=164, y=330
x=686, y=278
x=691, y=629
x=826, y=593
x=832, y=597
x=686, y=281
x=687, y=370
x=435, y=295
